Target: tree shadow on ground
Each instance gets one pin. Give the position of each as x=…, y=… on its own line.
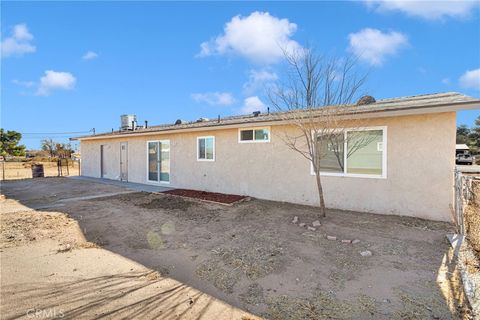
x=133, y=295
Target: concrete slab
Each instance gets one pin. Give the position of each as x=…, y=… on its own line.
x=128, y=185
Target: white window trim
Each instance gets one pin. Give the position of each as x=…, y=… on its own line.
x=254, y=141
x=146, y=176
x=357, y=175
x=198, y=148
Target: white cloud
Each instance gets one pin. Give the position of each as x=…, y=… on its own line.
x=18, y=43
x=258, y=37
x=89, y=55
x=214, y=98
x=446, y=81
x=252, y=104
x=373, y=46
x=53, y=80
x=258, y=80
x=471, y=79
x=426, y=9
x=26, y=84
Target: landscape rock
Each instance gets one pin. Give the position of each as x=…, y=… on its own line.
x=366, y=253
x=316, y=223
x=355, y=241
x=311, y=228
x=295, y=219
x=346, y=241
x=331, y=238
x=302, y=224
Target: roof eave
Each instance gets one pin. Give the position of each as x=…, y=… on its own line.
x=438, y=108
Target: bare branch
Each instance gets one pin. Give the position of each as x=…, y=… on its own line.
x=314, y=84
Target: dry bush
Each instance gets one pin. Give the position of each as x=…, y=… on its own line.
x=472, y=218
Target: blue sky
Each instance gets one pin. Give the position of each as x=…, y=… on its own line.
x=71, y=66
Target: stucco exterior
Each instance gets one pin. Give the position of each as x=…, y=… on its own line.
x=419, y=167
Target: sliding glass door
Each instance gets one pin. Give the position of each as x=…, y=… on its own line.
x=158, y=161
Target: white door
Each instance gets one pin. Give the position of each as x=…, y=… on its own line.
x=158, y=161
x=124, y=161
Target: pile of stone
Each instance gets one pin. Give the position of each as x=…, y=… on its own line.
x=313, y=227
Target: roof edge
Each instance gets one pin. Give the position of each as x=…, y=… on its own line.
x=404, y=111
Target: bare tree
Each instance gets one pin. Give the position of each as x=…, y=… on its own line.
x=316, y=98
x=49, y=146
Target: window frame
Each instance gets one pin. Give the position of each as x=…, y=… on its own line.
x=253, y=129
x=198, y=148
x=148, y=181
x=359, y=175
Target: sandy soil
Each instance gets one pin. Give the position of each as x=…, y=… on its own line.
x=23, y=170
x=49, y=270
x=249, y=255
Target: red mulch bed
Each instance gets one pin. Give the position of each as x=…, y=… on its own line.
x=204, y=195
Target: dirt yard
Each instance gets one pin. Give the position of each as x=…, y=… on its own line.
x=23, y=170
x=248, y=257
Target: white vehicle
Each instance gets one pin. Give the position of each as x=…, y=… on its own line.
x=463, y=155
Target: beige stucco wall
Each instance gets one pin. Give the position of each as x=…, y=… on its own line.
x=420, y=167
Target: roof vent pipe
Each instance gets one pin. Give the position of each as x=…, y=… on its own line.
x=146, y=124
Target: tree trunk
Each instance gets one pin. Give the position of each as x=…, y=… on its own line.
x=320, y=195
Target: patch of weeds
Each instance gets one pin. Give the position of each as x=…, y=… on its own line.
x=320, y=306
x=394, y=248
x=164, y=271
x=420, y=306
x=423, y=224
x=221, y=278
x=366, y=304
x=346, y=260
x=253, y=295
x=88, y=245
x=154, y=275
x=256, y=260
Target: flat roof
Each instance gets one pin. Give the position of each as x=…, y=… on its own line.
x=420, y=104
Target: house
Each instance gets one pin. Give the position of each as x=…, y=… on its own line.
x=407, y=169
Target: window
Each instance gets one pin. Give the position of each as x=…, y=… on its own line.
x=356, y=152
x=158, y=161
x=254, y=135
x=332, y=156
x=206, y=148
x=364, y=155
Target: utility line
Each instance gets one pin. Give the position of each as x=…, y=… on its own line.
x=47, y=133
